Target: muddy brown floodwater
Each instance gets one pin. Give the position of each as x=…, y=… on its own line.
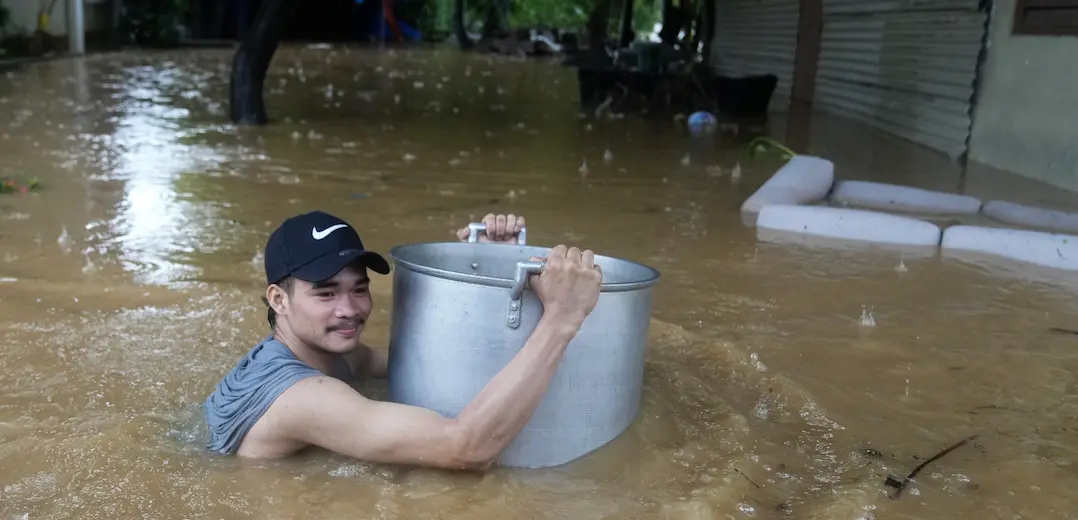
x=130, y=284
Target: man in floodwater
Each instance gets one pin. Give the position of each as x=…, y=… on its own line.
x=291, y=390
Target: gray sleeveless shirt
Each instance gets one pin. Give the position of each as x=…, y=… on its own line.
x=246, y=392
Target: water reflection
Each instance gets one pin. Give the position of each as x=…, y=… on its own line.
x=153, y=223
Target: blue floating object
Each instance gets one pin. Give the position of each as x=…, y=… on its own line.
x=702, y=123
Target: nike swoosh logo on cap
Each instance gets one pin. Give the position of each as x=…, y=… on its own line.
x=319, y=235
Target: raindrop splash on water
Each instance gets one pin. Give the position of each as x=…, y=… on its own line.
x=867, y=320
x=756, y=363
x=89, y=267
x=64, y=240
x=258, y=258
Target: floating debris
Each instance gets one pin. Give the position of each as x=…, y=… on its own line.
x=702, y=124
x=763, y=144
x=871, y=453
x=13, y=186
x=900, y=484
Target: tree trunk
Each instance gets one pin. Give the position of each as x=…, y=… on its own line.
x=497, y=20
x=458, y=26
x=252, y=59
x=597, y=34
x=246, y=10
x=626, y=35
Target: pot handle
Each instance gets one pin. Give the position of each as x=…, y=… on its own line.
x=477, y=227
x=516, y=294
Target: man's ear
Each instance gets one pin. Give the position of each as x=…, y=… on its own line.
x=277, y=298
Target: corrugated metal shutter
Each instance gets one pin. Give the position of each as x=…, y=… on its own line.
x=906, y=66
x=756, y=37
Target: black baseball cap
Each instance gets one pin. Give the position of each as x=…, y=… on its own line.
x=315, y=246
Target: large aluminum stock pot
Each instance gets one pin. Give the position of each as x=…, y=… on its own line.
x=461, y=311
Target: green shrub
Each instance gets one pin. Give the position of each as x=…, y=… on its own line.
x=152, y=23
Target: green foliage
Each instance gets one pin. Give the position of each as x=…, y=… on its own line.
x=550, y=13
x=12, y=186
x=152, y=22
x=573, y=14
x=561, y=14
x=434, y=18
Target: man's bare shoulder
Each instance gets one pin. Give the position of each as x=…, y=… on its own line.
x=248, y=390
x=286, y=426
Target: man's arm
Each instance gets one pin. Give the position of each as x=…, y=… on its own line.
x=326, y=412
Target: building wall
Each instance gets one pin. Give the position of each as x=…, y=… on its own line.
x=24, y=15
x=1026, y=118
x=906, y=67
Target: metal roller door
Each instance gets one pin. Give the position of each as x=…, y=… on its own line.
x=905, y=66
x=756, y=37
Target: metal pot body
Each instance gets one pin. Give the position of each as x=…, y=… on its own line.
x=461, y=311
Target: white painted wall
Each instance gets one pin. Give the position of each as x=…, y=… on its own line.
x=1026, y=118
x=24, y=15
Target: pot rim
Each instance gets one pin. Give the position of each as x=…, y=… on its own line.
x=394, y=254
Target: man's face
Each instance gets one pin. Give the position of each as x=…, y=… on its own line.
x=330, y=315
